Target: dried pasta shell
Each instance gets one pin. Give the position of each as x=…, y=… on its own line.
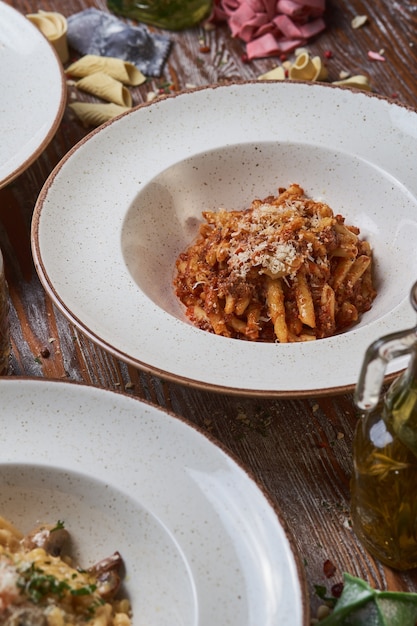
x=277, y=73
x=123, y=71
x=107, y=88
x=54, y=27
x=358, y=82
x=93, y=114
x=322, y=73
x=307, y=68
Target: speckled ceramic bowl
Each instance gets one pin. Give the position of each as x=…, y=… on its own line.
x=201, y=543
x=33, y=93
x=119, y=208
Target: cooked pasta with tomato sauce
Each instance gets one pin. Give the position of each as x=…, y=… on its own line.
x=286, y=269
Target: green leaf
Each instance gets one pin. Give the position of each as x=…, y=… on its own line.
x=360, y=605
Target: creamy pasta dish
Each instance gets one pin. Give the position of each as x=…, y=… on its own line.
x=41, y=586
x=286, y=269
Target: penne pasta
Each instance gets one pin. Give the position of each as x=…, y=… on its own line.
x=106, y=87
x=276, y=308
x=54, y=27
x=123, y=71
x=286, y=269
x=304, y=300
x=95, y=114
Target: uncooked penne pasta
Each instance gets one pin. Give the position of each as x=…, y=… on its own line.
x=124, y=71
x=53, y=26
x=286, y=269
x=106, y=87
x=95, y=114
x=357, y=82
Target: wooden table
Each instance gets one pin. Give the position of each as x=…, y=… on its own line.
x=299, y=450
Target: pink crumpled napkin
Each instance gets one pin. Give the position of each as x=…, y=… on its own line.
x=271, y=27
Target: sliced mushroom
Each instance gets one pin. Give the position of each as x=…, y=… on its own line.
x=54, y=540
x=107, y=573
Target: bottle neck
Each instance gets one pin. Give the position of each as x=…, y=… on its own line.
x=409, y=377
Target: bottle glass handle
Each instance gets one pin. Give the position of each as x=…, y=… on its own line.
x=377, y=357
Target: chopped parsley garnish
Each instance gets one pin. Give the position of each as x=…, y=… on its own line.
x=84, y=591
x=36, y=585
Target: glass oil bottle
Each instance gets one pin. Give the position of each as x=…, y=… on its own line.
x=384, y=480
x=169, y=14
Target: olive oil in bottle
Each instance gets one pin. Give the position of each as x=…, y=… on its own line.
x=384, y=479
x=169, y=14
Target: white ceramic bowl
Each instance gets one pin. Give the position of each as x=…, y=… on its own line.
x=122, y=205
x=201, y=542
x=33, y=93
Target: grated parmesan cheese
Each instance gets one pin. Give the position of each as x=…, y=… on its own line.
x=266, y=229
x=8, y=583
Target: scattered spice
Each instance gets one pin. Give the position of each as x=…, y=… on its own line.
x=321, y=593
x=337, y=590
x=329, y=569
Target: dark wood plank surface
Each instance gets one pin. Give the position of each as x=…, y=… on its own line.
x=299, y=450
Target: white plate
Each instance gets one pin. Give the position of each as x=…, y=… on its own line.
x=202, y=544
x=32, y=95
x=119, y=208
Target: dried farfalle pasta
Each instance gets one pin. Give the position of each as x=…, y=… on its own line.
x=125, y=72
x=105, y=87
x=95, y=114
